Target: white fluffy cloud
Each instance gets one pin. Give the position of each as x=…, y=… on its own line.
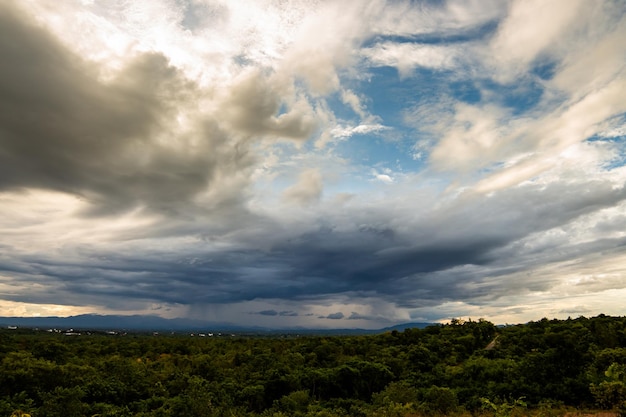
x=407, y=56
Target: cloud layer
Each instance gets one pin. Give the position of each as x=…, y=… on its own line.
x=250, y=162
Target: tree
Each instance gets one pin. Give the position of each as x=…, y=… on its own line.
x=611, y=393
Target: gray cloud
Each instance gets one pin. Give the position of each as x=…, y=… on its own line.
x=252, y=106
x=333, y=316
x=274, y=313
x=576, y=310
x=356, y=316
x=114, y=142
x=267, y=313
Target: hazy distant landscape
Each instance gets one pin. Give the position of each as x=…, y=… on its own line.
x=156, y=323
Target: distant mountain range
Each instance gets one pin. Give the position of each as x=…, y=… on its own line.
x=156, y=323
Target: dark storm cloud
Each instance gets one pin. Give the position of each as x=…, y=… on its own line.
x=410, y=264
x=64, y=127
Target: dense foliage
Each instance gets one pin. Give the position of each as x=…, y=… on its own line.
x=472, y=366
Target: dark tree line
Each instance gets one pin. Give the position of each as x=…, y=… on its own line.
x=461, y=367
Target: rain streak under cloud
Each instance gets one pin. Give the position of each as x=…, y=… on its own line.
x=313, y=163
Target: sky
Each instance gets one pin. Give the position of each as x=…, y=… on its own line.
x=300, y=163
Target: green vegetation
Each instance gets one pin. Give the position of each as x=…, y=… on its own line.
x=541, y=368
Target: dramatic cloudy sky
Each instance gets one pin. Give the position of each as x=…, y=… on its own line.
x=313, y=163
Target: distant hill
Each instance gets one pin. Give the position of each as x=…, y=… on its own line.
x=404, y=326
x=156, y=323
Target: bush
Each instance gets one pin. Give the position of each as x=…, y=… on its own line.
x=440, y=400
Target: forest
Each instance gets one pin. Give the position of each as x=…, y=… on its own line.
x=541, y=368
